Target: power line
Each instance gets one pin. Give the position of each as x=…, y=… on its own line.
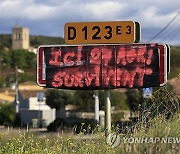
x=173, y=34
x=165, y=26
x=171, y=29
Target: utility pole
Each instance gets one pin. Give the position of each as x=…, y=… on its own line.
x=40, y=97
x=107, y=112
x=16, y=89
x=96, y=106
x=39, y=115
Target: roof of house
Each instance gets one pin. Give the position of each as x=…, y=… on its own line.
x=6, y=98
x=27, y=90
x=30, y=93
x=29, y=86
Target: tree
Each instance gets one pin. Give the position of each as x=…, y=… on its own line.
x=134, y=98
x=7, y=114
x=18, y=58
x=119, y=99
x=84, y=99
x=58, y=98
x=30, y=62
x=34, y=41
x=1, y=82
x=21, y=58
x=5, y=59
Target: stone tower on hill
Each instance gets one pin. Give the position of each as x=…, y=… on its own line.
x=20, y=38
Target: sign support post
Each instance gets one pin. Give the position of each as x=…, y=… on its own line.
x=40, y=96
x=107, y=112
x=17, y=98
x=96, y=107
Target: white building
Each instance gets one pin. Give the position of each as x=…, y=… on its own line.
x=32, y=111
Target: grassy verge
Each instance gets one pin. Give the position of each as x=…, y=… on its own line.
x=22, y=142
x=163, y=137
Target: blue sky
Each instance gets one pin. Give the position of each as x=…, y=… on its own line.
x=48, y=17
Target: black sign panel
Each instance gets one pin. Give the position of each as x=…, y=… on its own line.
x=104, y=66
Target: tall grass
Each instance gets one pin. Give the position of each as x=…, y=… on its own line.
x=29, y=142
x=159, y=117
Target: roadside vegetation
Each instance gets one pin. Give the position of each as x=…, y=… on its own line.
x=20, y=141
x=35, y=41
x=158, y=116
x=23, y=59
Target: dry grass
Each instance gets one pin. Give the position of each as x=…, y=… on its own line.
x=154, y=122
x=21, y=141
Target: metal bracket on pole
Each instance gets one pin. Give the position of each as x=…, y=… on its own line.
x=107, y=112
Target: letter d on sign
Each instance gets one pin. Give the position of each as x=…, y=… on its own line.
x=73, y=30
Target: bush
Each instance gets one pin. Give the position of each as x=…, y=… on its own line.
x=56, y=125
x=84, y=126
x=21, y=58
x=1, y=82
x=7, y=114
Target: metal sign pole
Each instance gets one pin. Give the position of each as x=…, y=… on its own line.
x=17, y=98
x=40, y=96
x=107, y=112
x=96, y=107
x=39, y=116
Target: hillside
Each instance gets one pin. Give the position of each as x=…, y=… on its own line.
x=5, y=40
x=45, y=40
x=174, y=62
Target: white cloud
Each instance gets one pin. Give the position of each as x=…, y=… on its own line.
x=53, y=14
x=106, y=10
x=27, y=9
x=150, y=18
x=146, y=11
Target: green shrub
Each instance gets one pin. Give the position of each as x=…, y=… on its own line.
x=7, y=114
x=56, y=124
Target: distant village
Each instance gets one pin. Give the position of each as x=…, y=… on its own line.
x=29, y=99
x=24, y=95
